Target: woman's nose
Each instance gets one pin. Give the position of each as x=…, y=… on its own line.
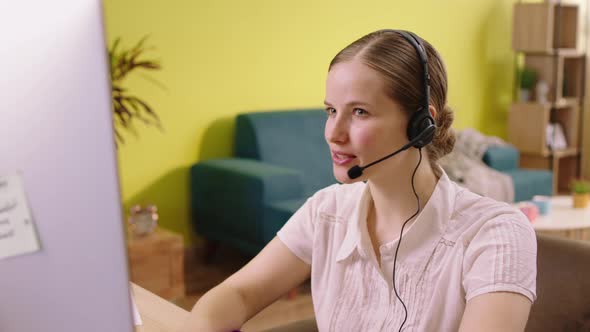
x=337, y=130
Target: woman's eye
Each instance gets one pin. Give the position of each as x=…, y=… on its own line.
x=359, y=111
x=330, y=111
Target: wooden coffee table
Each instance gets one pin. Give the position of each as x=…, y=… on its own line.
x=564, y=220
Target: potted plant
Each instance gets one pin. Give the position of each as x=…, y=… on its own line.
x=527, y=78
x=126, y=106
x=580, y=193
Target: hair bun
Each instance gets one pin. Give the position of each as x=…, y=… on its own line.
x=444, y=137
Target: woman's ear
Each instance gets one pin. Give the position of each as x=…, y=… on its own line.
x=432, y=111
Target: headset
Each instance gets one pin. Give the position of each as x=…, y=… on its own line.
x=421, y=122
x=420, y=132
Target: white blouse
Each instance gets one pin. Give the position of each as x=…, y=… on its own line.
x=461, y=245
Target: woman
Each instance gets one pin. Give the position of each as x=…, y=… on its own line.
x=399, y=247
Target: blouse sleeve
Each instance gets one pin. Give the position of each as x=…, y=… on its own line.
x=298, y=233
x=502, y=257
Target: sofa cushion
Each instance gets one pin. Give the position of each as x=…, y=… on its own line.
x=501, y=158
x=528, y=183
x=292, y=139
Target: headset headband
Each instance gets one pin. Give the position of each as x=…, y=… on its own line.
x=416, y=42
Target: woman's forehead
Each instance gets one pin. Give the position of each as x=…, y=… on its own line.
x=354, y=81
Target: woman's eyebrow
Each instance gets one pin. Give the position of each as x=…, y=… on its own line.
x=354, y=102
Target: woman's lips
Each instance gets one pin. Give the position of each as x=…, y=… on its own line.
x=342, y=158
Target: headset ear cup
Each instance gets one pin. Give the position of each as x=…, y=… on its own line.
x=419, y=122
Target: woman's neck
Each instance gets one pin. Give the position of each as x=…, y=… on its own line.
x=394, y=200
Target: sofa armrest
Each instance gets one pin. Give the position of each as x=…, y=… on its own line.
x=501, y=158
x=228, y=196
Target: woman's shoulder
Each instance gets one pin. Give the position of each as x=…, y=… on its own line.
x=338, y=199
x=340, y=192
x=499, y=247
x=482, y=217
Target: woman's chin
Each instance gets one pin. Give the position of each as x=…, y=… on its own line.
x=341, y=175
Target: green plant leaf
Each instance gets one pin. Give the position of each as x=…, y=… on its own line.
x=115, y=45
x=127, y=107
x=528, y=78
x=580, y=186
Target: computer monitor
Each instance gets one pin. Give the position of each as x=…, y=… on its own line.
x=56, y=138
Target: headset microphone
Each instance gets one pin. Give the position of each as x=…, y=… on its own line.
x=426, y=135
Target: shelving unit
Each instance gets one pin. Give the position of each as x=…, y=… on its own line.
x=566, y=81
x=545, y=27
x=546, y=34
x=528, y=121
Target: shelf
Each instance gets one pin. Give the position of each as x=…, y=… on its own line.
x=560, y=104
x=528, y=122
x=565, y=103
x=563, y=153
x=564, y=2
x=564, y=52
x=542, y=27
x=569, y=53
x=563, y=74
x=565, y=168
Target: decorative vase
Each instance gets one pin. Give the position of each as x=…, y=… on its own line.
x=143, y=220
x=524, y=95
x=541, y=90
x=581, y=200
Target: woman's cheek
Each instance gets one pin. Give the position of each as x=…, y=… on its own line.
x=367, y=139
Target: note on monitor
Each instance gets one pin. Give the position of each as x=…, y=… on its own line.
x=17, y=229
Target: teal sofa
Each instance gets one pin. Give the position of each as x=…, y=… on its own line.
x=527, y=182
x=280, y=159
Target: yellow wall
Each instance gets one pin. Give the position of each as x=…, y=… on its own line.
x=224, y=57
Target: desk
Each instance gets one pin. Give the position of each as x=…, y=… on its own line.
x=157, y=314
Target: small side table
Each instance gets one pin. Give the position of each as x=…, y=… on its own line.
x=565, y=221
x=156, y=262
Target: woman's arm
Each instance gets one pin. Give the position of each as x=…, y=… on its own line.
x=499, y=311
x=269, y=275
